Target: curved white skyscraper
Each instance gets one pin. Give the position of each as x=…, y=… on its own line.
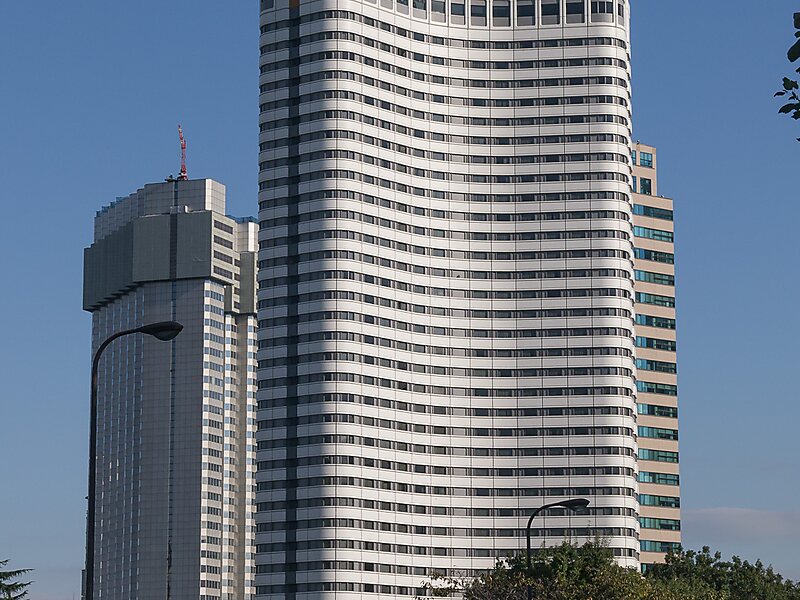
x=446, y=288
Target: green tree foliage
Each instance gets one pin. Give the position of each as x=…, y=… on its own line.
x=567, y=572
x=589, y=572
x=736, y=579
x=10, y=589
x=790, y=86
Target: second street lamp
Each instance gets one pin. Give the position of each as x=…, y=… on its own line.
x=164, y=331
x=572, y=504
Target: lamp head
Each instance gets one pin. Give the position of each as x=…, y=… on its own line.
x=164, y=330
x=575, y=503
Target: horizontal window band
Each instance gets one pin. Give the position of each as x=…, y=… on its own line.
x=490, y=275
x=657, y=433
x=651, y=277
x=270, y=66
x=506, y=217
x=668, y=258
x=653, y=234
x=553, y=332
x=343, y=194
x=358, y=461
x=400, y=446
x=329, y=15
x=403, y=109
x=458, y=159
x=325, y=217
x=278, y=182
x=659, y=455
x=471, y=255
x=404, y=53
x=483, y=492
x=441, y=390
x=432, y=530
x=653, y=212
x=531, y=84
x=657, y=388
x=372, y=339
x=656, y=410
x=282, y=300
x=655, y=299
x=656, y=344
x=460, y=411
x=659, y=478
x=498, y=432
x=335, y=586
x=403, y=267
x=422, y=509
x=652, y=321
x=417, y=570
x=416, y=134
x=661, y=524
x=657, y=366
x=661, y=547
x=659, y=501
x=386, y=363
x=474, y=140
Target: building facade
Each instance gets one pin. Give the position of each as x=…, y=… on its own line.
x=446, y=296
x=176, y=420
x=656, y=346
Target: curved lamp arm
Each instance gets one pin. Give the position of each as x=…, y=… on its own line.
x=573, y=505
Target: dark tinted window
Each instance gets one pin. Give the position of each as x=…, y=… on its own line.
x=478, y=12
x=576, y=11
x=501, y=13
x=551, y=12
x=526, y=12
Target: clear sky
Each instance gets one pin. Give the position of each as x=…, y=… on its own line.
x=90, y=95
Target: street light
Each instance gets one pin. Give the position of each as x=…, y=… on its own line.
x=573, y=505
x=164, y=331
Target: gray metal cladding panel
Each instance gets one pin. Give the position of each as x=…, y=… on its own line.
x=247, y=292
x=151, y=244
x=139, y=252
x=194, y=245
x=107, y=268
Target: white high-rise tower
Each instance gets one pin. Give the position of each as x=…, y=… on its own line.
x=445, y=288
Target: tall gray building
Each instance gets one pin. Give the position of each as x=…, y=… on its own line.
x=176, y=421
x=445, y=303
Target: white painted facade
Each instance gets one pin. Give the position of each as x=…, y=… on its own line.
x=445, y=289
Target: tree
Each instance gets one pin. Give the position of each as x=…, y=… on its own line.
x=589, y=572
x=9, y=588
x=790, y=86
x=736, y=579
x=567, y=572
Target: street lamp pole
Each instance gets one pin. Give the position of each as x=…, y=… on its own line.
x=164, y=331
x=573, y=505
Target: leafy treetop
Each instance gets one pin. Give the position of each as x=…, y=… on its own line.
x=589, y=572
x=790, y=86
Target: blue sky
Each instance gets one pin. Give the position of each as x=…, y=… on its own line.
x=92, y=92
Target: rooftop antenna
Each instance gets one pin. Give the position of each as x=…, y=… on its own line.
x=182, y=176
